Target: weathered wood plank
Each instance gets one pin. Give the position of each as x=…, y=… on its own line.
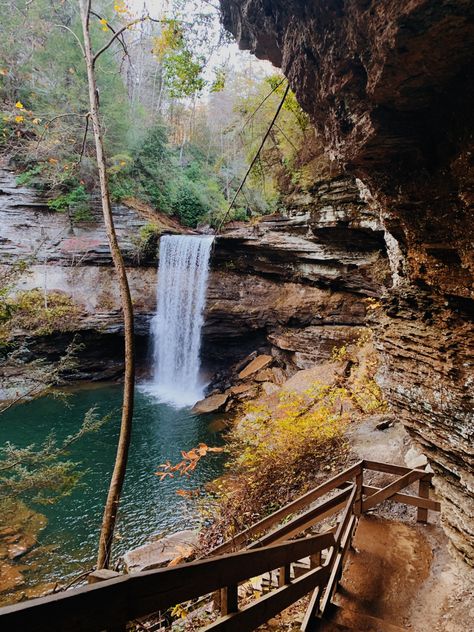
x=276, y=517
x=310, y=615
x=389, y=468
x=336, y=562
x=304, y=520
x=109, y=604
x=400, y=483
x=414, y=501
x=229, y=599
x=423, y=492
x=254, y=614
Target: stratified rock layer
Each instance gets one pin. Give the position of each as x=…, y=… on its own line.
x=389, y=85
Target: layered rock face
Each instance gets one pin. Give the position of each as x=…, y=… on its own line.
x=74, y=259
x=389, y=87
x=298, y=284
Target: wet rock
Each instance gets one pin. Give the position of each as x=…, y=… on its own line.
x=10, y=577
x=211, y=404
x=160, y=552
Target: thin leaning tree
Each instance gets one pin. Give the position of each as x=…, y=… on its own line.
x=118, y=475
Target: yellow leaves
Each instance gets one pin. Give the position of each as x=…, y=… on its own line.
x=169, y=39
x=372, y=303
x=120, y=7
x=19, y=105
x=179, y=611
x=19, y=119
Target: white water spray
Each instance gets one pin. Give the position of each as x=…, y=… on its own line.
x=176, y=326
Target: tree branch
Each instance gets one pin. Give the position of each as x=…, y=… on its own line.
x=118, y=33
x=84, y=139
x=120, y=39
x=48, y=123
x=63, y=26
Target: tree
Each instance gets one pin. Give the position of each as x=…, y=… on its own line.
x=118, y=475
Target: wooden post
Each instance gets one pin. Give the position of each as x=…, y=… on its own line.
x=284, y=576
x=102, y=575
x=359, y=481
x=423, y=492
x=229, y=599
x=315, y=560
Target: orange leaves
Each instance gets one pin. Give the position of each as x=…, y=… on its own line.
x=187, y=465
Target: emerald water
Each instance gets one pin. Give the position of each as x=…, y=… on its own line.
x=69, y=541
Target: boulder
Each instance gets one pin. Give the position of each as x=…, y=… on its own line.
x=266, y=375
x=160, y=552
x=260, y=362
x=415, y=459
x=212, y=404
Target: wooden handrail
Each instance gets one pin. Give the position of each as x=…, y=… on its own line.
x=305, y=520
x=114, y=602
x=244, y=537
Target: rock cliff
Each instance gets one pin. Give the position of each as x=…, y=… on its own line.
x=389, y=88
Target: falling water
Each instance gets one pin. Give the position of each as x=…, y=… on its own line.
x=176, y=327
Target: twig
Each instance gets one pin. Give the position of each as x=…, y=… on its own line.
x=63, y=26
x=121, y=40
x=84, y=139
x=118, y=33
x=261, y=103
x=48, y=123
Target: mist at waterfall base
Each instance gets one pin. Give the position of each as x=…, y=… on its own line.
x=176, y=327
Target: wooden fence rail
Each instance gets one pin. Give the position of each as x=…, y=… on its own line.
x=110, y=604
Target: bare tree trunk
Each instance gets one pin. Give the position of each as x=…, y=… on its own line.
x=118, y=475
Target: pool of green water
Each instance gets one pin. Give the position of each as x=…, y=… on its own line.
x=68, y=543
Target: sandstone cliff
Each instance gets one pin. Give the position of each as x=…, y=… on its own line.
x=389, y=88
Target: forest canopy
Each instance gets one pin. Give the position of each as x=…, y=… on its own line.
x=182, y=121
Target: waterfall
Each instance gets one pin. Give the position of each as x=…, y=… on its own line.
x=176, y=326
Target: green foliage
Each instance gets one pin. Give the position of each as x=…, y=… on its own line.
x=183, y=74
x=28, y=176
x=42, y=474
x=148, y=241
x=38, y=312
x=76, y=201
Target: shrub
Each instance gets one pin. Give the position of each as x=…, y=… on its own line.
x=27, y=177
x=75, y=201
x=40, y=315
x=276, y=455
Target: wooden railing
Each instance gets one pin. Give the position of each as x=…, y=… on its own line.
x=111, y=604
